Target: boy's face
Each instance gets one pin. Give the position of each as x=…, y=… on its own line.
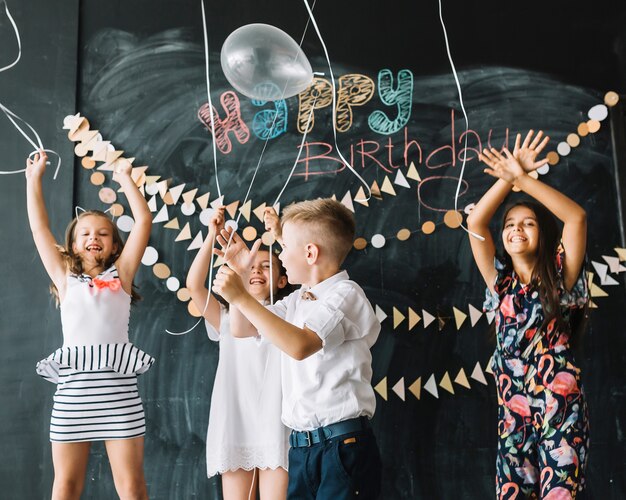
x=293, y=255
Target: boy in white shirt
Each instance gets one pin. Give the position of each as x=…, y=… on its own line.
x=325, y=331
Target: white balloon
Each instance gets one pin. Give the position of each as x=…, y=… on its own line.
x=265, y=63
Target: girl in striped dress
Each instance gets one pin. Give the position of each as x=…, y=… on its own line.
x=96, y=369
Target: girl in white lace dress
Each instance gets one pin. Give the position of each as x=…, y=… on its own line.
x=246, y=441
x=96, y=368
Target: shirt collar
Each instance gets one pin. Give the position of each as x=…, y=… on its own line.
x=322, y=287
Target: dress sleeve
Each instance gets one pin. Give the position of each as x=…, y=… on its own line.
x=501, y=285
x=578, y=296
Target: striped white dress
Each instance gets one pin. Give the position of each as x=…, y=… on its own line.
x=96, y=369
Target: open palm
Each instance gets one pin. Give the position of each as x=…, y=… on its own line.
x=526, y=153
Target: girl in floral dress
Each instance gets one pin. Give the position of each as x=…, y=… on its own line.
x=539, y=292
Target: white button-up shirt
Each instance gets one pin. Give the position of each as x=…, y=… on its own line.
x=335, y=383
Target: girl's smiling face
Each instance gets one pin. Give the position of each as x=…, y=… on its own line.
x=93, y=239
x=520, y=233
x=259, y=284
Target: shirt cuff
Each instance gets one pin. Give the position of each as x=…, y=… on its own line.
x=326, y=323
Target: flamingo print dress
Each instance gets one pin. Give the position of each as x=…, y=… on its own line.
x=543, y=429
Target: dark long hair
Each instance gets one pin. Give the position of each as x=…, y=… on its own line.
x=544, y=277
x=75, y=264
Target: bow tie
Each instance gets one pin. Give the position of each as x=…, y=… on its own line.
x=113, y=285
x=306, y=295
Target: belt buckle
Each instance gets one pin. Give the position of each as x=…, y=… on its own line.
x=307, y=436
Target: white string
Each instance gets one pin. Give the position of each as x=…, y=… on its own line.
x=458, y=86
x=208, y=296
x=208, y=91
x=10, y=115
x=253, y=476
x=332, y=78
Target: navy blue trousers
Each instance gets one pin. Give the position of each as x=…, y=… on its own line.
x=342, y=468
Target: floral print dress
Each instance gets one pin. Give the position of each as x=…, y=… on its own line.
x=543, y=429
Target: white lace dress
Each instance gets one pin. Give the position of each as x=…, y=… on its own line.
x=245, y=429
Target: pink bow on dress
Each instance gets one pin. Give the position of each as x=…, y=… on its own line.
x=114, y=284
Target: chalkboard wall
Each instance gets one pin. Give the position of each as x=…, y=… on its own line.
x=135, y=69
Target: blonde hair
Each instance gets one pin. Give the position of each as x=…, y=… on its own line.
x=329, y=222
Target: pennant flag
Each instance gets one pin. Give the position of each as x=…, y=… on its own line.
x=217, y=202
x=446, y=383
x=475, y=314
x=596, y=291
x=196, y=243
x=490, y=315
x=376, y=190
x=260, y=211
x=416, y=388
x=414, y=318
x=621, y=252
x=203, y=201
x=381, y=388
x=609, y=281
x=398, y=317
x=441, y=322
x=613, y=263
x=459, y=317
x=231, y=208
x=387, y=187
x=347, y=201
x=380, y=314
x=173, y=224
x=151, y=179
x=412, y=173
x=478, y=374
x=162, y=186
x=162, y=215
x=361, y=198
x=488, y=367
x=461, y=379
x=400, y=180
x=245, y=209
x=398, y=388
x=189, y=196
x=152, y=204
x=428, y=318
x=431, y=386
x=185, y=234
x=601, y=269
x=175, y=192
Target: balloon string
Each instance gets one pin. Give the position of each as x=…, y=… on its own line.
x=346, y=162
x=208, y=296
x=458, y=86
x=10, y=115
x=208, y=91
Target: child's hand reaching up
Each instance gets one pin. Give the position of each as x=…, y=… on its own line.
x=526, y=153
x=235, y=252
x=123, y=169
x=216, y=223
x=272, y=224
x=504, y=167
x=228, y=284
x=36, y=167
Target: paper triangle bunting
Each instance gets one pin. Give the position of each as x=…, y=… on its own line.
x=400, y=180
x=446, y=383
x=601, y=269
x=260, y=211
x=398, y=388
x=380, y=314
x=152, y=204
x=596, y=291
x=475, y=314
x=376, y=190
x=217, y=202
x=414, y=318
x=245, y=209
x=347, y=201
x=428, y=318
x=173, y=224
x=412, y=173
x=381, y=388
x=490, y=315
x=459, y=317
x=387, y=187
x=185, y=234
x=203, y=201
x=361, y=198
x=196, y=243
x=176, y=191
x=478, y=375
x=398, y=317
x=613, y=263
x=416, y=388
x=621, y=252
x=488, y=367
x=431, y=386
x=231, y=208
x=161, y=216
x=461, y=379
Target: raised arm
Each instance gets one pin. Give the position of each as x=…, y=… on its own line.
x=525, y=153
x=272, y=224
x=572, y=215
x=39, y=225
x=130, y=259
x=298, y=343
x=197, y=275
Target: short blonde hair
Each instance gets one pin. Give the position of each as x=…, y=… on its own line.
x=329, y=222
